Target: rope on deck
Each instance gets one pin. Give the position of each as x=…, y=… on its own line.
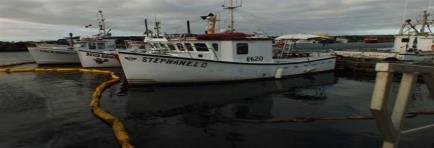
x=118, y=128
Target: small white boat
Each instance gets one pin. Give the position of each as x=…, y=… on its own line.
x=219, y=57
x=411, y=44
x=54, y=54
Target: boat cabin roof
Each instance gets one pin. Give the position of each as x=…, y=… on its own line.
x=225, y=36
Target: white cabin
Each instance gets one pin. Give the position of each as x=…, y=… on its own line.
x=234, y=47
x=406, y=44
x=98, y=44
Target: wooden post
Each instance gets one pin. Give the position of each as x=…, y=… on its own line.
x=379, y=105
x=429, y=81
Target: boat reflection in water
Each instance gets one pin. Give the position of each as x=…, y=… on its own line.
x=247, y=99
x=176, y=115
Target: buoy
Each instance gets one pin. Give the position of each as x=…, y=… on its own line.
x=279, y=73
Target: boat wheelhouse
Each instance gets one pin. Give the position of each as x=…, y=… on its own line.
x=219, y=57
x=97, y=52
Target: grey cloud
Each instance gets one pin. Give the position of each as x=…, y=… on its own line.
x=271, y=16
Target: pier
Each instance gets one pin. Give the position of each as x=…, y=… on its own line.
x=390, y=122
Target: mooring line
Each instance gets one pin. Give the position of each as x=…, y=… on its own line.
x=118, y=128
x=313, y=119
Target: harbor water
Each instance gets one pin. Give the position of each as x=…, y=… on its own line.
x=51, y=110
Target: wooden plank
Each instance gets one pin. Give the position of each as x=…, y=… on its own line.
x=385, y=125
x=406, y=88
x=381, y=91
x=378, y=106
x=394, y=67
x=429, y=82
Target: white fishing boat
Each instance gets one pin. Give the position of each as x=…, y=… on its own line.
x=220, y=57
x=99, y=51
x=413, y=43
x=214, y=57
x=54, y=54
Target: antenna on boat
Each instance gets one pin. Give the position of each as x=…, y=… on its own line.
x=157, y=27
x=231, y=8
x=101, y=24
x=424, y=21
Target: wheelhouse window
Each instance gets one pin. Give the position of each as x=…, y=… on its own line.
x=92, y=46
x=163, y=45
x=189, y=47
x=215, y=46
x=101, y=46
x=171, y=46
x=180, y=47
x=201, y=46
x=405, y=40
x=242, y=48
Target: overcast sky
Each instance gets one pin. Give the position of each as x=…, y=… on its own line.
x=52, y=19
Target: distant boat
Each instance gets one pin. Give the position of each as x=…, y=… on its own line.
x=377, y=39
x=54, y=54
x=410, y=44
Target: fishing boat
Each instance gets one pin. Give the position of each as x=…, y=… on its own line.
x=214, y=57
x=99, y=50
x=55, y=54
x=412, y=43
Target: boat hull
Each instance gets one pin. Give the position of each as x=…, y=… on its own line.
x=148, y=68
x=98, y=58
x=53, y=55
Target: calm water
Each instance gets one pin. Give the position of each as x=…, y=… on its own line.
x=52, y=110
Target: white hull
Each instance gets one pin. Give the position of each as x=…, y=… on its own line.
x=98, y=58
x=54, y=55
x=387, y=55
x=147, y=68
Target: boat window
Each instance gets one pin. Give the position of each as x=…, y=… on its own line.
x=180, y=47
x=152, y=46
x=215, y=46
x=405, y=40
x=156, y=45
x=171, y=47
x=92, y=46
x=242, y=48
x=163, y=45
x=101, y=46
x=200, y=46
x=189, y=47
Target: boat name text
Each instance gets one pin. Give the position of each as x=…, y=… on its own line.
x=101, y=55
x=175, y=62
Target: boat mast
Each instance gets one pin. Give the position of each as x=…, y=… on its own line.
x=231, y=8
x=424, y=21
x=157, y=27
x=101, y=24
